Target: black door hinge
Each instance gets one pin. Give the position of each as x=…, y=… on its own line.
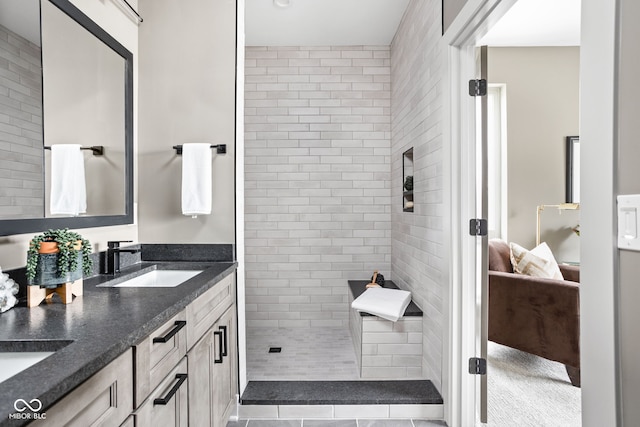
x=477, y=366
x=478, y=87
x=478, y=227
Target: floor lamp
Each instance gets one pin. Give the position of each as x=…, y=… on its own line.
x=561, y=207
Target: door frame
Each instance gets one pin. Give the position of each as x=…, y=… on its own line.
x=462, y=390
x=600, y=374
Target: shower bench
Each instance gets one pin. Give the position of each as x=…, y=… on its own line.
x=386, y=349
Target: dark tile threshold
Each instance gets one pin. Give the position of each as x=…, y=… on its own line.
x=399, y=392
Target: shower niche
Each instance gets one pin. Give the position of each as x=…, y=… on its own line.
x=407, y=180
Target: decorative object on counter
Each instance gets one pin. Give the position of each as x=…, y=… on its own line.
x=377, y=280
x=408, y=183
x=8, y=290
x=56, y=262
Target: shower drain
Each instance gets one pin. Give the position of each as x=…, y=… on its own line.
x=275, y=349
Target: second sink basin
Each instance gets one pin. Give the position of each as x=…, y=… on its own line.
x=156, y=279
x=16, y=356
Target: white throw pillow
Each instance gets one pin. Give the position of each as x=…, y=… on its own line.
x=538, y=262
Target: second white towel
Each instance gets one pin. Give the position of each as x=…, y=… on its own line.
x=68, y=187
x=387, y=303
x=196, y=179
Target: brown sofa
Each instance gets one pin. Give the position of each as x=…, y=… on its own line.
x=535, y=315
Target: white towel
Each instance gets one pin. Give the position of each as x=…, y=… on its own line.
x=68, y=187
x=387, y=303
x=196, y=179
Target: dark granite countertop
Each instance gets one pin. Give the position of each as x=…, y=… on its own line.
x=96, y=328
x=357, y=287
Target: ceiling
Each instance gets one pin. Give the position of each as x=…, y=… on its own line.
x=22, y=17
x=323, y=22
x=537, y=23
x=374, y=22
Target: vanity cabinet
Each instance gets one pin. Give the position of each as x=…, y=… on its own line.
x=199, y=389
x=212, y=370
x=105, y=399
x=182, y=374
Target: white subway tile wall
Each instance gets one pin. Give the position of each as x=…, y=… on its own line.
x=418, y=259
x=21, y=156
x=317, y=180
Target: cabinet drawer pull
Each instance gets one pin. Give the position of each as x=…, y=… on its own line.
x=178, y=325
x=224, y=347
x=164, y=400
x=219, y=335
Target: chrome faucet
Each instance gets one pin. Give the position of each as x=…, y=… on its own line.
x=113, y=254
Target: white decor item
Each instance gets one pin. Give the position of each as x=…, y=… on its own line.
x=8, y=290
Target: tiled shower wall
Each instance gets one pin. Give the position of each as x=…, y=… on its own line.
x=21, y=176
x=317, y=180
x=418, y=259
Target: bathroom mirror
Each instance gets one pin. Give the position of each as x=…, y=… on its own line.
x=63, y=80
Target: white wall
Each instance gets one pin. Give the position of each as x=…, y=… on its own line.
x=628, y=181
x=542, y=86
x=317, y=196
x=187, y=94
x=418, y=261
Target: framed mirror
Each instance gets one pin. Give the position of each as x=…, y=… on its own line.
x=572, y=181
x=64, y=80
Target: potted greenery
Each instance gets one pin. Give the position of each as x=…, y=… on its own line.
x=57, y=256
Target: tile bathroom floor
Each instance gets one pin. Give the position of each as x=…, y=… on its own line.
x=336, y=423
x=307, y=354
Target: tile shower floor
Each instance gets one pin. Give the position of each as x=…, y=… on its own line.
x=307, y=354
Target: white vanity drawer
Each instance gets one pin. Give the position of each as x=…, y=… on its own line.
x=158, y=354
x=167, y=405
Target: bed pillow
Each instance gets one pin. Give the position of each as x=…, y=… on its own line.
x=538, y=262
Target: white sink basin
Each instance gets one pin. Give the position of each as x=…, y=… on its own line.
x=156, y=279
x=16, y=362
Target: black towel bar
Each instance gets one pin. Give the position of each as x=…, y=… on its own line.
x=98, y=150
x=221, y=148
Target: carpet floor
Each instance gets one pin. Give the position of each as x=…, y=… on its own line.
x=527, y=390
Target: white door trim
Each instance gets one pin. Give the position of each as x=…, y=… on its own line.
x=239, y=150
x=460, y=389
x=598, y=252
